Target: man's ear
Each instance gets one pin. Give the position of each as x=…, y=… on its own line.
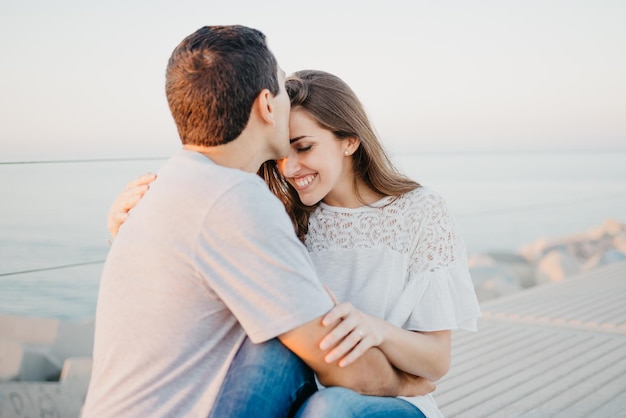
x=263, y=106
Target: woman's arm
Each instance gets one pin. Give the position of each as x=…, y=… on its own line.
x=370, y=374
x=425, y=354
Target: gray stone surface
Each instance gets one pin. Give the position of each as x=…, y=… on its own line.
x=38, y=399
x=555, y=350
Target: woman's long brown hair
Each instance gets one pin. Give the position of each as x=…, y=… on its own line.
x=333, y=104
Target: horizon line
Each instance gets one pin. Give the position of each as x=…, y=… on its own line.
x=391, y=152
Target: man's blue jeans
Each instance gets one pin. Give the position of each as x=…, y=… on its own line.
x=264, y=380
x=268, y=380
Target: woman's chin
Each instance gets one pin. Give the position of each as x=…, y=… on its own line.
x=308, y=200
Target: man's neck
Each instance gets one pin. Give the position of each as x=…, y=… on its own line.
x=231, y=155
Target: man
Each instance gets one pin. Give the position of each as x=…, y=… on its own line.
x=210, y=255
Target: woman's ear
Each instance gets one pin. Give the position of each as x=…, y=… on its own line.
x=353, y=145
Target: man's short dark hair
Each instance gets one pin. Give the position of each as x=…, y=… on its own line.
x=212, y=79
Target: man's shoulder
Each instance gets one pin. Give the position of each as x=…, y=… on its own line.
x=200, y=172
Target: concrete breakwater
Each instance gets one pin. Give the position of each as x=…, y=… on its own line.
x=547, y=260
x=45, y=365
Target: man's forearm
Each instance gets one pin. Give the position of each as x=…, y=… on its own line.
x=373, y=375
x=370, y=374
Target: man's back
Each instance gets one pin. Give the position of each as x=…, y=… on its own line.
x=189, y=268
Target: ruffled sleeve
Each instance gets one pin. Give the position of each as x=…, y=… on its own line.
x=439, y=293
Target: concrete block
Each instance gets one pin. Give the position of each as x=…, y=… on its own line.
x=51, y=400
x=22, y=362
x=77, y=372
x=45, y=344
x=29, y=330
x=11, y=356
x=73, y=339
x=38, y=365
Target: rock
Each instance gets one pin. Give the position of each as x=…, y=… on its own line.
x=499, y=274
x=583, y=245
x=619, y=241
x=518, y=266
x=535, y=250
x=612, y=227
x=603, y=258
x=556, y=266
x=493, y=281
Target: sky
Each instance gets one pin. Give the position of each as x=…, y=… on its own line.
x=85, y=79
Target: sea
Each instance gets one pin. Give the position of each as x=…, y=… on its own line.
x=53, y=234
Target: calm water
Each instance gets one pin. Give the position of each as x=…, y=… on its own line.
x=54, y=215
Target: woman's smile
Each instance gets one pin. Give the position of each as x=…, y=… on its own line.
x=302, y=182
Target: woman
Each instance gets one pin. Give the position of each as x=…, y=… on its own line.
x=378, y=240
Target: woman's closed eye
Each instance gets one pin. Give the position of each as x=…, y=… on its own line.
x=304, y=149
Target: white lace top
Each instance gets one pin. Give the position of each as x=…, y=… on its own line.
x=401, y=259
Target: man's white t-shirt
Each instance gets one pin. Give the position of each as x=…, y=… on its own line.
x=207, y=256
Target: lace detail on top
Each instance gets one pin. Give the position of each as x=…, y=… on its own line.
x=417, y=224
